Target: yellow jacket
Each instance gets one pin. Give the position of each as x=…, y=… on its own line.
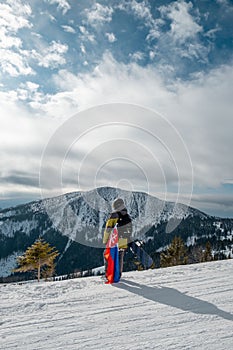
x=124, y=228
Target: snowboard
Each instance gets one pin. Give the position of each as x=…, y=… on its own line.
x=141, y=255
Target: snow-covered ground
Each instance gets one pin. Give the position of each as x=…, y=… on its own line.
x=184, y=307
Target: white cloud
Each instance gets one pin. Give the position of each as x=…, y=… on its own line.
x=137, y=56
x=154, y=33
x=111, y=37
x=13, y=16
x=183, y=25
x=83, y=49
x=211, y=33
x=14, y=63
x=104, y=84
x=86, y=35
x=27, y=91
x=99, y=14
x=22, y=141
x=194, y=51
x=225, y=3
x=7, y=41
x=51, y=56
x=31, y=86
x=141, y=10
x=200, y=109
x=82, y=29
x=228, y=182
x=152, y=54
x=182, y=39
x=62, y=5
x=69, y=29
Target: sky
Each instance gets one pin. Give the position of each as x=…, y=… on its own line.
x=168, y=64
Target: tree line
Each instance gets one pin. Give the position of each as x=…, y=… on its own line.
x=177, y=254
x=40, y=257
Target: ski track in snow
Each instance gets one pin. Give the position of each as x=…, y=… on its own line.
x=183, y=307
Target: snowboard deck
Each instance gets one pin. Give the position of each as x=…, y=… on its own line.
x=143, y=259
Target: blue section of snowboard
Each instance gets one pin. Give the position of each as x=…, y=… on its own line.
x=141, y=255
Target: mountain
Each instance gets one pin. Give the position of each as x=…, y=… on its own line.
x=181, y=307
x=74, y=223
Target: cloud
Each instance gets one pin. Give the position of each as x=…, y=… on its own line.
x=27, y=92
x=23, y=138
x=137, y=56
x=215, y=204
x=174, y=36
x=141, y=11
x=225, y=3
x=98, y=14
x=183, y=25
x=62, y=5
x=104, y=84
x=83, y=49
x=182, y=37
x=14, y=59
x=212, y=32
x=69, y=29
x=14, y=15
x=51, y=56
x=21, y=178
x=153, y=34
x=86, y=35
x=228, y=181
x=200, y=109
x=111, y=37
x=14, y=63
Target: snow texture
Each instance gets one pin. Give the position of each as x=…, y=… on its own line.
x=182, y=307
x=8, y=264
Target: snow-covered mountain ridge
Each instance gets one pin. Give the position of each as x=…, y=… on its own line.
x=91, y=209
x=183, y=307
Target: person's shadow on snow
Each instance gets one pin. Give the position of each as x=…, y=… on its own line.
x=174, y=298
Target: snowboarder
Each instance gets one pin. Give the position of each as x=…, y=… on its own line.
x=120, y=217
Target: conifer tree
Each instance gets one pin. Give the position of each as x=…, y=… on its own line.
x=195, y=254
x=40, y=257
x=176, y=254
x=207, y=254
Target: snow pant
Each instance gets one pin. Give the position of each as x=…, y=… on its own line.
x=121, y=259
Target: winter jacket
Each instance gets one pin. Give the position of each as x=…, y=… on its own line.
x=124, y=228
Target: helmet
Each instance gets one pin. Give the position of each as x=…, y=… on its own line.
x=118, y=204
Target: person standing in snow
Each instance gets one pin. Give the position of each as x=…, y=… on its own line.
x=120, y=217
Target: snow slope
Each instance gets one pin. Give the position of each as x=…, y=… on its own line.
x=183, y=307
